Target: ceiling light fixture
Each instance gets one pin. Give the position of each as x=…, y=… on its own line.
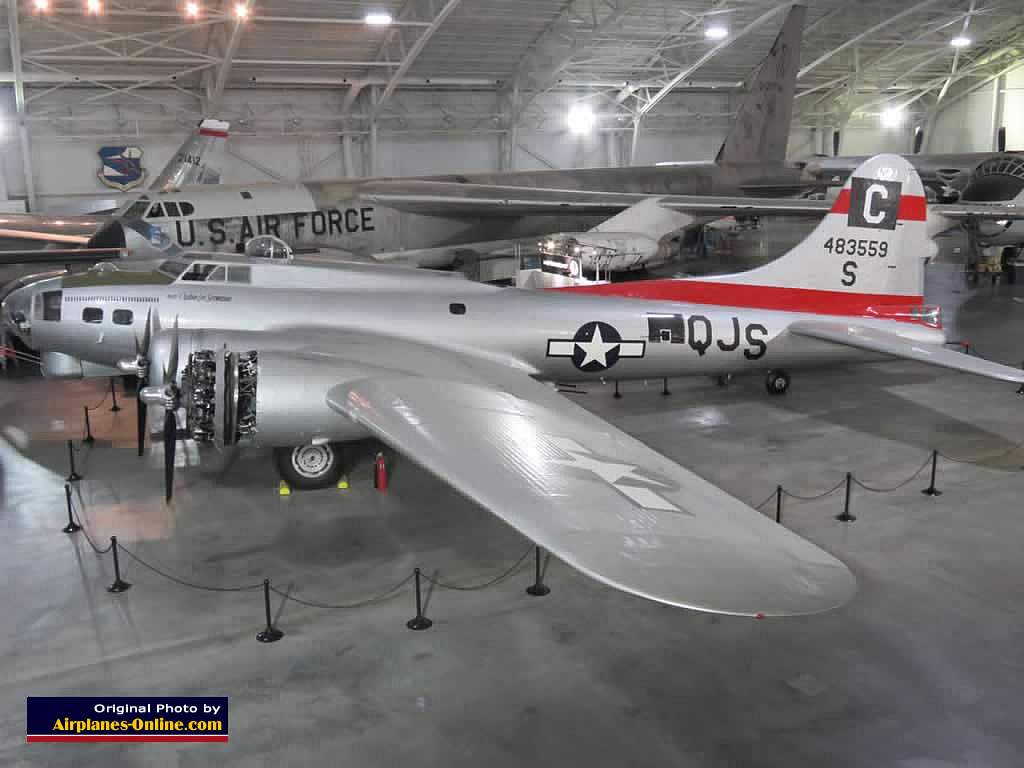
x=192, y=9
x=716, y=32
x=580, y=119
x=892, y=117
x=960, y=41
x=378, y=18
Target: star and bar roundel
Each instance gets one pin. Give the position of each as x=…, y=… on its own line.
x=596, y=346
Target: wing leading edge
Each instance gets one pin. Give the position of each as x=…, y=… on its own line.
x=597, y=498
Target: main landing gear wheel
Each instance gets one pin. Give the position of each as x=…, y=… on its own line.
x=777, y=382
x=310, y=467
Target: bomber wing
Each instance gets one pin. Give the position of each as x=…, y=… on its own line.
x=597, y=498
x=452, y=198
x=885, y=343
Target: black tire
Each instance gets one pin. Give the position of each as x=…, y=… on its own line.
x=310, y=467
x=777, y=382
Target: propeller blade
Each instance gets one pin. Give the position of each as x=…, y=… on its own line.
x=835, y=143
x=918, y=139
x=170, y=444
x=147, y=335
x=1001, y=139
x=172, y=356
x=140, y=420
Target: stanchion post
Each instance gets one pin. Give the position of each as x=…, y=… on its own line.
x=113, y=396
x=74, y=476
x=270, y=633
x=617, y=394
x=119, y=585
x=664, y=387
x=846, y=517
x=931, y=490
x=538, y=588
x=419, y=621
x=88, y=427
x=72, y=526
x=778, y=504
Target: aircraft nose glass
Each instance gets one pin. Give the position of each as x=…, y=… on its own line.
x=15, y=309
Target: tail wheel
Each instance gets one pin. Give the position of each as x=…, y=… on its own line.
x=310, y=467
x=777, y=382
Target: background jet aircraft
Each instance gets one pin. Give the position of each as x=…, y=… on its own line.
x=199, y=160
x=434, y=220
x=451, y=373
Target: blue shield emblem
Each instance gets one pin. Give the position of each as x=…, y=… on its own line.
x=121, y=167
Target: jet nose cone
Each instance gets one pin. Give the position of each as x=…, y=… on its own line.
x=110, y=235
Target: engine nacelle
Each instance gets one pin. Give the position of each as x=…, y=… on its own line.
x=605, y=251
x=234, y=394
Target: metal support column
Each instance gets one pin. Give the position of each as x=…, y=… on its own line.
x=19, y=102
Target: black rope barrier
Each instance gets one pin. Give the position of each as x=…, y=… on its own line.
x=890, y=489
x=186, y=582
x=829, y=492
x=379, y=597
x=482, y=585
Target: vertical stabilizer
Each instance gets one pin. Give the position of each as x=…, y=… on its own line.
x=199, y=160
x=874, y=241
x=760, y=132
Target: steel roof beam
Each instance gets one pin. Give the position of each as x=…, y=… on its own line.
x=866, y=33
x=715, y=50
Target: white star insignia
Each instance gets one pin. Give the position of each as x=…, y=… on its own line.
x=596, y=350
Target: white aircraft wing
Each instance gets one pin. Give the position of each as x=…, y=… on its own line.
x=595, y=497
x=885, y=343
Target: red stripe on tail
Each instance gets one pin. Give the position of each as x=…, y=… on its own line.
x=750, y=296
x=912, y=207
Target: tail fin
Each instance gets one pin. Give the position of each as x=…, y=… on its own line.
x=761, y=129
x=200, y=159
x=873, y=242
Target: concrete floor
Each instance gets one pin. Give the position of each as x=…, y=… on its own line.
x=922, y=669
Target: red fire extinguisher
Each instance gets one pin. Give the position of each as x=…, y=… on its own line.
x=380, y=473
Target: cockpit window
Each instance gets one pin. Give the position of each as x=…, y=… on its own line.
x=217, y=275
x=171, y=208
x=200, y=272
x=136, y=210
x=187, y=209
x=171, y=268
x=51, y=305
x=239, y=274
x=155, y=212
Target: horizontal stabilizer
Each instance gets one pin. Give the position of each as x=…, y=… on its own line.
x=885, y=343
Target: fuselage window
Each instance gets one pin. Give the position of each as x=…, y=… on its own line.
x=92, y=315
x=198, y=272
x=122, y=317
x=187, y=209
x=239, y=274
x=171, y=209
x=51, y=305
x=155, y=212
x=247, y=195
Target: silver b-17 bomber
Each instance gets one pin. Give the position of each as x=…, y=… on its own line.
x=458, y=376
